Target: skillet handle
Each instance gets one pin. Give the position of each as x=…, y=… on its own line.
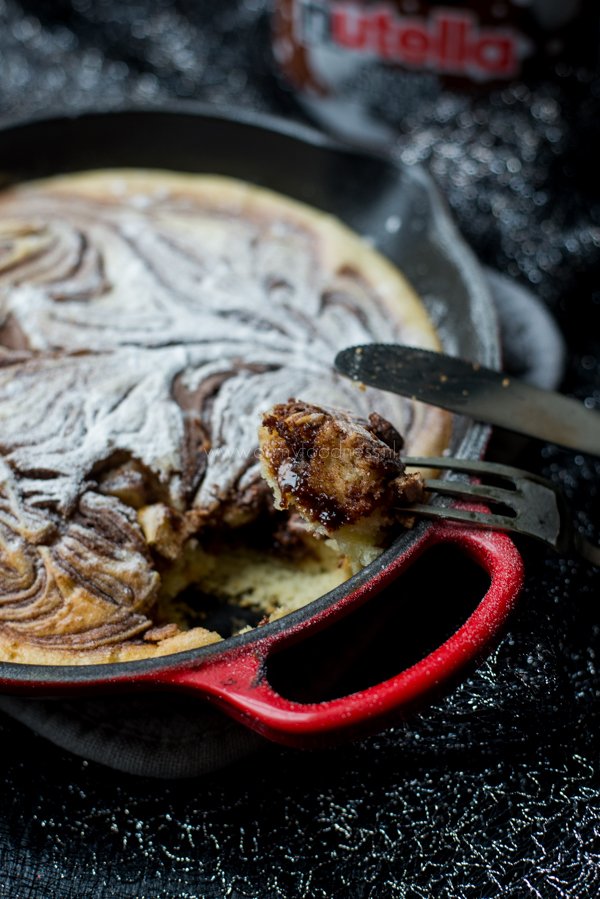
x=236, y=681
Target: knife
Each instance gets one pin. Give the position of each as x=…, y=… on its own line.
x=470, y=389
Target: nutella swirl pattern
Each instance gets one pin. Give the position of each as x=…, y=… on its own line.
x=154, y=318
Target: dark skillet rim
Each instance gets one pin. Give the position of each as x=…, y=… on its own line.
x=193, y=108
x=263, y=121
x=103, y=673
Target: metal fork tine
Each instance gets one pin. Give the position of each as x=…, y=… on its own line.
x=469, y=466
x=475, y=467
x=539, y=508
x=482, y=491
x=478, y=519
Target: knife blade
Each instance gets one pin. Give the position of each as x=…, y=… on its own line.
x=469, y=388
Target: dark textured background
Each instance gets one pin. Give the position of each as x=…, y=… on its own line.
x=495, y=791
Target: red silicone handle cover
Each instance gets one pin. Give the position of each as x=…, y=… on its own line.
x=236, y=681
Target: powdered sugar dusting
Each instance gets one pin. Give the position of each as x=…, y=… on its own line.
x=119, y=296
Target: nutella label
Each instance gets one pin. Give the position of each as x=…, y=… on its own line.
x=359, y=66
x=449, y=41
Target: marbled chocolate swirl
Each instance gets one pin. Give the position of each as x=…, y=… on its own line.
x=147, y=319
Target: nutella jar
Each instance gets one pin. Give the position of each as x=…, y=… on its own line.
x=359, y=66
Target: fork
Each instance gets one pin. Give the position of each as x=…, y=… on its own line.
x=539, y=509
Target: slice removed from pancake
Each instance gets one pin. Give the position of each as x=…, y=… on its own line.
x=342, y=473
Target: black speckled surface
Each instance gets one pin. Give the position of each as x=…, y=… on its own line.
x=494, y=792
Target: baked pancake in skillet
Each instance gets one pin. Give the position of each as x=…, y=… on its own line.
x=148, y=321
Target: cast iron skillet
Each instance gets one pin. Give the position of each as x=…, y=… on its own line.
x=398, y=209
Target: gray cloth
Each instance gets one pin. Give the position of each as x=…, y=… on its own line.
x=151, y=734
x=173, y=736
x=533, y=348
